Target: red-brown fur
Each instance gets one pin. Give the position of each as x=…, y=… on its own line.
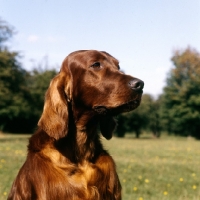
x=66, y=159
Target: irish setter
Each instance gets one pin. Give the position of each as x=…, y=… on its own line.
x=66, y=159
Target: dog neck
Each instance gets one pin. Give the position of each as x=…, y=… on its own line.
x=87, y=136
x=82, y=137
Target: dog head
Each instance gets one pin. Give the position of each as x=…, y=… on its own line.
x=92, y=82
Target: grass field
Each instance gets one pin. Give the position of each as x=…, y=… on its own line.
x=149, y=169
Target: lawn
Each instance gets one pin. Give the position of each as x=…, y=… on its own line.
x=149, y=169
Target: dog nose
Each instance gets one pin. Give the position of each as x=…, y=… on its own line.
x=136, y=84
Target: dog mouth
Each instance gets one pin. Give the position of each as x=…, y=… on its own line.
x=125, y=107
x=131, y=105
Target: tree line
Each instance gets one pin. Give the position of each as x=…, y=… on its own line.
x=176, y=110
x=21, y=91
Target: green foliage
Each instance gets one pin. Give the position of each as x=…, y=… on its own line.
x=181, y=98
x=13, y=91
x=38, y=83
x=12, y=81
x=22, y=98
x=21, y=92
x=149, y=109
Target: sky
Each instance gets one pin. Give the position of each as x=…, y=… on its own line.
x=141, y=34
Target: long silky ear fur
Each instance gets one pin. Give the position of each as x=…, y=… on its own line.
x=54, y=119
x=107, y=127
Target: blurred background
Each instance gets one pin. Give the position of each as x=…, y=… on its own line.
x=156, y=41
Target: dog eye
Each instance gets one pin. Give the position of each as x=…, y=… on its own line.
x=96, y=65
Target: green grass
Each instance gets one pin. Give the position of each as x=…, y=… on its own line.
x=12, y=156
x=156, y=169
x=149, y=169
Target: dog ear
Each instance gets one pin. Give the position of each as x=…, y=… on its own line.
x=54, y=119
x=107, y=127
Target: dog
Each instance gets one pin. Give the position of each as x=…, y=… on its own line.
x=66, y=159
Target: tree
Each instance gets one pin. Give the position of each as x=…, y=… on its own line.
x=181, y=98
x=150, y=110
x=122, y=126
x=38, y=83
x=6, y=32
x=12, y=82
x=21, y=92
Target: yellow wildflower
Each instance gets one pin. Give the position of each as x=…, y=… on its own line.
x=165, y=193
x=135, y=188
x=194, y=187
x=193, y=174
x=146, y=181
x=181, y=179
